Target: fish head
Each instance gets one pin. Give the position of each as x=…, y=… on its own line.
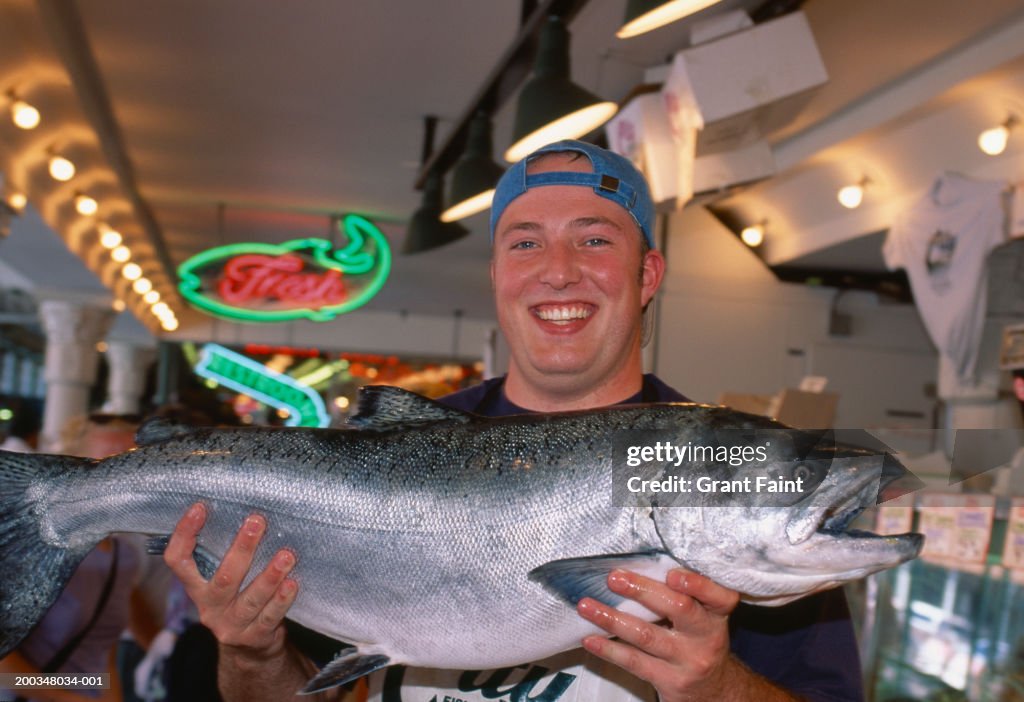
x=778, y=529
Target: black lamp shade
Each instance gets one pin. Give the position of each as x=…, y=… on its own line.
x=426, y=231
x=551, y=102
x=475, y=174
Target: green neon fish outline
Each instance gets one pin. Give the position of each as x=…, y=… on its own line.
x=353, y=259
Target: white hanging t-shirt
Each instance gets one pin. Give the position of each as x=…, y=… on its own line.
x=943, y=242
x=572, y=676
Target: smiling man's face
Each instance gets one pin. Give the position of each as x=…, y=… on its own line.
x=570, y=286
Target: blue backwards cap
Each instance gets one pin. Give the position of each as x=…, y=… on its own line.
x=614, y=177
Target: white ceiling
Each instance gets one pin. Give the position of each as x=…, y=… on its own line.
x=291, y=112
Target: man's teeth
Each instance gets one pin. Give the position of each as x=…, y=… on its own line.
x=563, y=314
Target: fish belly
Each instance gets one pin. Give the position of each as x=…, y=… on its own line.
x=426, y=584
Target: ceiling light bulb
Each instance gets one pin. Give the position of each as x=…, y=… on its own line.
x=753, y=235
x=85, y=205
x=851, y=196
x=169, y=324
x=142, y=286
x=993, y=141
x=24, y=115
x=159, y=309
x=132, y=271
x=118, y=305
x=110, y=238
x=61, y=169
x=17, y=201
x=151, y=298
x=121, y=254
x=645, y=15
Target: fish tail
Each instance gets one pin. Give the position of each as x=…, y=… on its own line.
x=32, y=572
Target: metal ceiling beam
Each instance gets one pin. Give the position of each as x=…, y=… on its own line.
x=512, y=69
x=62, y=22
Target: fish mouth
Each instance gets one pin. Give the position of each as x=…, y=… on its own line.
x=832, y=520
x=837, y=518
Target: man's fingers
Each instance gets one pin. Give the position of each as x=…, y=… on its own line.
x=236, y=562
x=178, y=554
x=252, y=602
x=715, y=598
x=626, y=657
x=682, y=610
x=272, y=614
x=651, y=638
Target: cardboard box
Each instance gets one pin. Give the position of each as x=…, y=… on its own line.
x=807, y=410
x=641, y=132
x=713, y=172
x=747, y=84
x=792, y=407
x=746, y=402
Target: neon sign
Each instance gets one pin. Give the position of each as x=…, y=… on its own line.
x=299, y=279
x=304, y=405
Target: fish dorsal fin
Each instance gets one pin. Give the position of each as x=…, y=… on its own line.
x=387, y=407
x=158, y=429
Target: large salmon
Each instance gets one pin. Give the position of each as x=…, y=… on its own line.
x=431, y=537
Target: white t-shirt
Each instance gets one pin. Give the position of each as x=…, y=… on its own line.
x=943, y=242
x=572, y=676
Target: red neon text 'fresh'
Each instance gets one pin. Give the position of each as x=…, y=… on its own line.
x=255, y=276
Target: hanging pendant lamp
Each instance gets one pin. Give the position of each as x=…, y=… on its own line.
x=426, y=230
x=475, y=173
x=551, y=107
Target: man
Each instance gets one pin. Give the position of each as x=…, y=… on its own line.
x=573, y=268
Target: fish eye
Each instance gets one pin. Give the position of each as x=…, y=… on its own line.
x=802, y=471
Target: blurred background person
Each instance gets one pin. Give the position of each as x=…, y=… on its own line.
x=79, y=634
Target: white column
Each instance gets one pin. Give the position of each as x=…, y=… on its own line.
x=72, y=332
x=27, y=380
x=39, y=386
x=8, y=373
x=127, y=364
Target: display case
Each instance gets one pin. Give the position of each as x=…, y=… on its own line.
x=943, y=630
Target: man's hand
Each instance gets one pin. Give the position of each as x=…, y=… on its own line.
x=249, y=620
x=686, y=659
x=255, y=662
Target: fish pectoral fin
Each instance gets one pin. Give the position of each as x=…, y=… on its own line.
x=382, y=407
x=572, y=579
x=348, y=666
x=206, y=562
